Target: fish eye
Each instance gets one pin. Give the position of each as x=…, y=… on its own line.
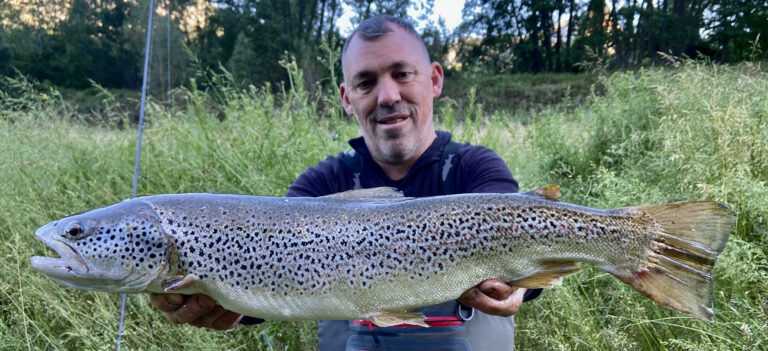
x=74, y=230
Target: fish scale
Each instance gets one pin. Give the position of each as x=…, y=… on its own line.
x=375, y=254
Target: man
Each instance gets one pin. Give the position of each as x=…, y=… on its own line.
x=389, y=86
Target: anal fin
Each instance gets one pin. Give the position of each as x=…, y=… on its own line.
x=179, y=282
x=388, y=319
x=547, y=276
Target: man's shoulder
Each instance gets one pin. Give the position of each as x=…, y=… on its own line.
x=333, y=163
x=480, y=169
x=475, y=154
x=326, y=177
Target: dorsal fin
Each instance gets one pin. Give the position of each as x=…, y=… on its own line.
x=550, y=192
x=382, y=194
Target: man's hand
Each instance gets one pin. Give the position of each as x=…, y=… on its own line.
x=494, y=297
x=198, y=310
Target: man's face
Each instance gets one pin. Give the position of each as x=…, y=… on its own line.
x=389, y=86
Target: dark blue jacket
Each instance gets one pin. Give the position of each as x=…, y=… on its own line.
x=473, y=169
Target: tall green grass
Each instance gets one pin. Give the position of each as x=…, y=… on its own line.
x=690, y=133
x=686, y=133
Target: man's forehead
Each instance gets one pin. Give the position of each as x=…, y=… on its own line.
x=361, y=50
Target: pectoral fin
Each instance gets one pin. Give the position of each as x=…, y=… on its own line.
x=179, y=282
x=388, y=319
x=547, y=276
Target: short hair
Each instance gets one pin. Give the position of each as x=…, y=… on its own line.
x=376, y=27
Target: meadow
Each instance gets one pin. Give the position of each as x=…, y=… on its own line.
x=691, y=132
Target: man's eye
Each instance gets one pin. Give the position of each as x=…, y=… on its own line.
x=402, y=75
x=364, y=84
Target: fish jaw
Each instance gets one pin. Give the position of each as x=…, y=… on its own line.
x=69, y=269
x=111, y=253
x=69, y=264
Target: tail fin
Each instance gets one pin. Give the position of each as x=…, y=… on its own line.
x=678, y=271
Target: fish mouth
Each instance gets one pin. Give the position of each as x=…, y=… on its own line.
x=69, y=263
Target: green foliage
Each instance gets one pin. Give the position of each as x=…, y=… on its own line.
x=244, y=62
x=56, y=166
x=740, y=30
x=697, y=132
x=253, y=36
x=364, y=9
x=556, y=36
x=69, y=43
x=694, y=132
x=6, y=57
x=523, y=92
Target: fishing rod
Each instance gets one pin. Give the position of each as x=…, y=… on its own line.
x=138, y=147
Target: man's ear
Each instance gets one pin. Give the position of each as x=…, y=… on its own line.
x=345, y=100
x=437, y=79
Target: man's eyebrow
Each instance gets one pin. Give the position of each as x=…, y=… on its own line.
x=393, y=66
x=362, y=75
x=401, y=64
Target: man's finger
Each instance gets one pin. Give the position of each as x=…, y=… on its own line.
x=519, y=294
x=495, y=299
x=167, y=302
x=207, y=319
x=476, y=298
x=228, y=320
x=194, y=307
x=496, y=289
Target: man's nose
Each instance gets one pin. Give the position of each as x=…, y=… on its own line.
x=389, y=92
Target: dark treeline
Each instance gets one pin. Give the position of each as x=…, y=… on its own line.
x=559, y=35
x=70, y=43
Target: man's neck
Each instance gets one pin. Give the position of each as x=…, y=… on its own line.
x=398, y=171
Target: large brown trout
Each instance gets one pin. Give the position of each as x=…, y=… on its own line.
x=374, y=254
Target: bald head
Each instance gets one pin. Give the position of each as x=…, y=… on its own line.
x=375, y=27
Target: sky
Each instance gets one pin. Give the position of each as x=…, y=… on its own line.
x=450, y=10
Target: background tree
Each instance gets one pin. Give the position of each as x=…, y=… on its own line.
x=368, y=8
x=739, y=30
x=80, y=55
x=69, y=42
x=244, y=63
x=591, y=40
x=6, y=56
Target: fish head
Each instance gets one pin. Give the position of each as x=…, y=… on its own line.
x=119, y=248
